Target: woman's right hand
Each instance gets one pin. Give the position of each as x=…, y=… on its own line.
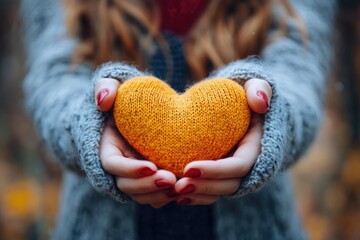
x=138, y=178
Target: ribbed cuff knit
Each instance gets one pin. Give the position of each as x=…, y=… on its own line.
x=91, y=124
x=277, y=125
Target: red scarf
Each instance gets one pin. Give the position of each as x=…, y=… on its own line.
x=179, y=16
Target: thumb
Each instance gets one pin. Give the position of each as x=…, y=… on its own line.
x=258, y=93
x=105, y=93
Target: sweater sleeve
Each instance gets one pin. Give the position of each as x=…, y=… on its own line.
x=297, y=73
x=59, y=94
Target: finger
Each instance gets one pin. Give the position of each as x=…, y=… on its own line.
x=207, y=187
x=116, y=142
x=258, y=93
x=158, y=198
x=105, y=93
x=160, y=180
x=197, y=199
x=233, y=167
x=128, y=167
x=250, y=146
x=113, y=160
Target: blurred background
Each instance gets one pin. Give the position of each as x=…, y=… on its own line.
x=327, y=179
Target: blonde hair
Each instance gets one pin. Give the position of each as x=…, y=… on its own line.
x=228, y=30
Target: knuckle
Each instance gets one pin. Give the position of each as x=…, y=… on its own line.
x=108, y=163
x=128, y=186
x=234, y=186
x=217, y=173
x=242, y=169
x=121, y=186
x=105, y=163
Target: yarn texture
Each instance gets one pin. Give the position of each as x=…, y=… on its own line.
x=173, y=129
x=60, y=99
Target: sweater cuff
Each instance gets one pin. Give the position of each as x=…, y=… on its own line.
x=278, y=126
x=89, y=125
x=116, y=70
x=243, y=70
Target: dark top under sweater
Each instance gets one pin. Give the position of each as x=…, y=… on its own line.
x=175, y=222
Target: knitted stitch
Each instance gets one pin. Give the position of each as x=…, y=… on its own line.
x=172, y=130
x=59, y=97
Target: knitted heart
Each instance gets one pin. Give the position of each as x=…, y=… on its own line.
x=171, y=130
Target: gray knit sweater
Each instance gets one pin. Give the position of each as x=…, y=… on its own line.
x=60, y=99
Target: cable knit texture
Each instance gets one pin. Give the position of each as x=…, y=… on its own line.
x=59, y=97
x=173, y=130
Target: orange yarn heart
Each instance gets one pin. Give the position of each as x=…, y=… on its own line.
x=172, y=130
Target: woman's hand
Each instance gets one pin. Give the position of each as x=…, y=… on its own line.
x=105, y=93
x=138, y=178
x=205, y=181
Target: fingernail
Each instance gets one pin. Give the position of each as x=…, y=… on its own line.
x=188, y=189
x=162, y=183
x=184, y=201
x=193, y=173
x=144, y=172
x=264, y=97
x=101, y=95
x=171, y=193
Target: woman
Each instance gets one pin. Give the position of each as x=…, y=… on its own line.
x=210, y=43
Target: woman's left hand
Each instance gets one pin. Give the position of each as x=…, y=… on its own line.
x=206, y=180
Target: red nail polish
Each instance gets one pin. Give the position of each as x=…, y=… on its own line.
x=171, y=193
x=193, y=173
x=188, y=189
x=264, y=97
x=162, y=183
x=184, y=201
x=101, y=95
x=144, y=172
